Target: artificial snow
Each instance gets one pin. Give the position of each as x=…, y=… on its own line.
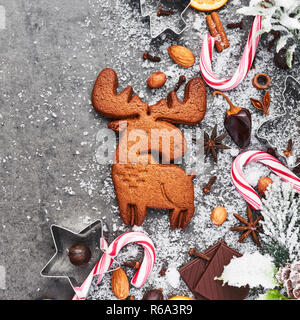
x=251, y=269
x=173, y=277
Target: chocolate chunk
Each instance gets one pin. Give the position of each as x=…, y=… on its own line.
x=199, y=275
x=280, y=59
x=239, y=127
x=193, y=271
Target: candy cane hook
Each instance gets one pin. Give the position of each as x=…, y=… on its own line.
x=245, y=63
x=111, y=252
x=274, y=164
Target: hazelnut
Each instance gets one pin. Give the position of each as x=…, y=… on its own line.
x=218, y=216
x=157, y=80
x=79, y=254
x=263, y=184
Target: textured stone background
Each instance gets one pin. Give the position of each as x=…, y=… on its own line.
x=50, y=54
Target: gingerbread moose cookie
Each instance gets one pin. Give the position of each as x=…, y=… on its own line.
x=140, y=181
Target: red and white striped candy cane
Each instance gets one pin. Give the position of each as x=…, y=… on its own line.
x=245, y=63
x=274, y=164
x=110, y=252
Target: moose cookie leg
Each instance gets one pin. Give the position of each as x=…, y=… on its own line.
x=124, y=209
x=176, y=218
x=180, y=218
x=138, y=215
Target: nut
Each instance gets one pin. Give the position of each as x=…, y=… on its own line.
x=157, y=80
x=182, y=56
x=263, y=184
x=218, y=216
x=120, y=284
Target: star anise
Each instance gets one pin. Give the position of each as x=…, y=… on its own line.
x=213, y=143
x=251, y=227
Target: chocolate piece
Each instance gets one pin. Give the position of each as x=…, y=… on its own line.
x=214, y=289
x=239, y=127
x=280, y=59
x=193, y=271
x=238, y=123
x=155, y=294
x=199, y=275
x=79, y=254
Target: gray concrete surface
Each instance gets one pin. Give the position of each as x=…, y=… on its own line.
x=50, y=54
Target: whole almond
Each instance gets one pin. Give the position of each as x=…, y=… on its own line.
x=182, y=56
x=263, y=184
x=120, y=284
x=157, y=80
x=218, y=216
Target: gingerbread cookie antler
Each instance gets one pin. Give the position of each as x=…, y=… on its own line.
x=112, y=105
x=142, y=184
x=190, y=111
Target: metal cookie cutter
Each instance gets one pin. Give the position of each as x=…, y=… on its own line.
x=277, y=130
x=59, y=266
x=158, y=25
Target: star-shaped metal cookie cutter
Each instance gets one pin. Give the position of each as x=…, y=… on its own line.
x=59, y=266
x=277, y=130
x=158, y=25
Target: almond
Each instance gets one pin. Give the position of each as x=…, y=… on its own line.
x=120, y=284
x=157, y=80
x=263, y=184
x=218, y=216
x=182, y=56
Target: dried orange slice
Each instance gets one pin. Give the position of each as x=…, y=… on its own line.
x=207, y=5
x=181, y=298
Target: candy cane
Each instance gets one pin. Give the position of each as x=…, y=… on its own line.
x=245, y=63
x=274, y=164
x=112, y=251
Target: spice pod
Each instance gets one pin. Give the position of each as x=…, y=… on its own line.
x=171, y=19
x=60, y=266
x=278, y=130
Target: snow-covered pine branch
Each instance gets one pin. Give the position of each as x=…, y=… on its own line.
x=278, y=15
x=281, y=225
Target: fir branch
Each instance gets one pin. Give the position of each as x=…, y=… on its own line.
x=278, y=15
x=281, y=225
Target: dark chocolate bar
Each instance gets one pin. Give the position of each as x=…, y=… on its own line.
x=199, y=275
x=193, y=270
x=214, y=289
